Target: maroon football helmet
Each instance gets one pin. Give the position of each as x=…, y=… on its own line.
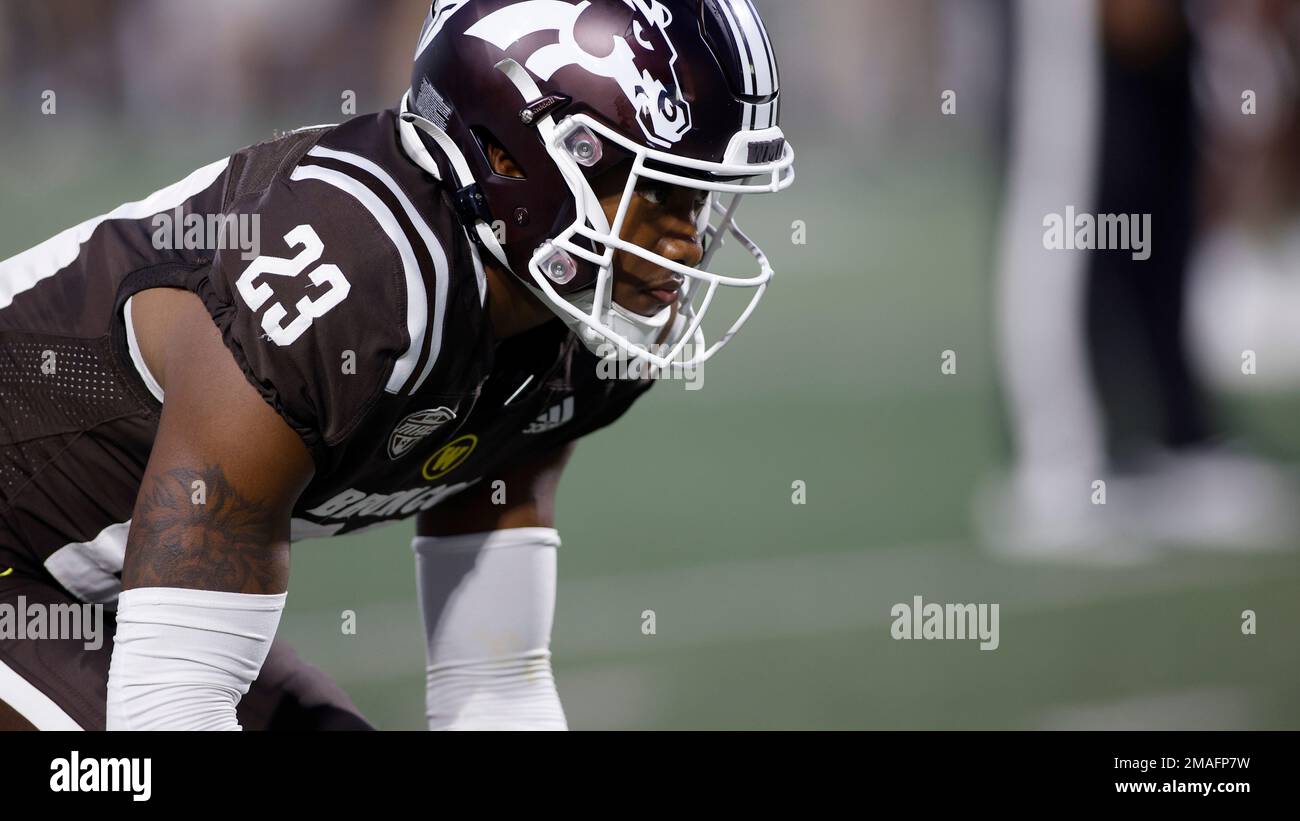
x=683, y=92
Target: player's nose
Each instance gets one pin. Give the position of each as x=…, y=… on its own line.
x=680, y=242
x=687, y=252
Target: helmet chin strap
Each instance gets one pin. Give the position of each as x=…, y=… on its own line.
x=411, y=142
x=459, y=167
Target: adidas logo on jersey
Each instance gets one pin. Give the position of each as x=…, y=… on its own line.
x=553, y=417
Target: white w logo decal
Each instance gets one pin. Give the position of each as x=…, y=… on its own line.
x=646, y=72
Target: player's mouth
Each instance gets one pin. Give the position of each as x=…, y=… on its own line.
x=666, y=292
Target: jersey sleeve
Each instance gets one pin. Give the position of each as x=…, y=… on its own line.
x=316, y=318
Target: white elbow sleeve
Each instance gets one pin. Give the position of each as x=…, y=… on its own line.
x=488, y=601
x=183, y=658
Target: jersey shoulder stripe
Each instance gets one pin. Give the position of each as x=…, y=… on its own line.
x=416, y=302
x=436, y=253
x=26, y=270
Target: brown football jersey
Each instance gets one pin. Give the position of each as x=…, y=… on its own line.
x=361, y=320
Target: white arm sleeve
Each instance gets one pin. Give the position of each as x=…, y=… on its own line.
x=183, y=658
x=488, y=602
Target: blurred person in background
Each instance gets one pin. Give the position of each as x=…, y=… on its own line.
x=1096, y=351
x=1246, y=274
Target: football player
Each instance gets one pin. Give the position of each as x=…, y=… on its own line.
x=419, y=335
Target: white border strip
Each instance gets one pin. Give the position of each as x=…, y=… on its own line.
x=31, y=703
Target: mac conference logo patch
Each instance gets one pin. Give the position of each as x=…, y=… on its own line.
x=415, y=427
x=449, y=457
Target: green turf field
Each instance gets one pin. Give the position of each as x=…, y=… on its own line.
x=775, y=615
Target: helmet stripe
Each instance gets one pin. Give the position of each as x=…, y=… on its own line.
x=767, y=47
x=438, y=17
x=773, y=108
x=749, y=112
x=763, y=80
x=742, y=47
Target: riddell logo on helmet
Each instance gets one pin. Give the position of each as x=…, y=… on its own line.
x=644, y=65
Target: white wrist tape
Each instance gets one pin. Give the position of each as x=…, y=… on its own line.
x=183, y=658
x=488, y=601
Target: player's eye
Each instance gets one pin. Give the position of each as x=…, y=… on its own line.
x=653, y=192
x=659, y=193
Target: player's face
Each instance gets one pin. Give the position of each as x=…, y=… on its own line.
x=664, y=219
x=661, y=218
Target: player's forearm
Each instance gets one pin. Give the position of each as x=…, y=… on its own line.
x=204, y=579
x=183, y=658
x=193, y=528
x=488, y=601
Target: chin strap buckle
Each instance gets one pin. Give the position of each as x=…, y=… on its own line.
x=471, y=207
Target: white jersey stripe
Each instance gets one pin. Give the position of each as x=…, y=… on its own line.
x=33, y=705
x=88, y=570
x=430, y=241
x=137, y=358
x=417, y=308
x=26, y=270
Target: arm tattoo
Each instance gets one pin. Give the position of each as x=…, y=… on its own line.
x=192, y=528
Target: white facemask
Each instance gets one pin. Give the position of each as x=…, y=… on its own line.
x=673, y=337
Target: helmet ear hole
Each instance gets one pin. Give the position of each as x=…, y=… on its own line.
x=502, y=163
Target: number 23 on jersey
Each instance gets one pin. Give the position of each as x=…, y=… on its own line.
x=256, y=294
